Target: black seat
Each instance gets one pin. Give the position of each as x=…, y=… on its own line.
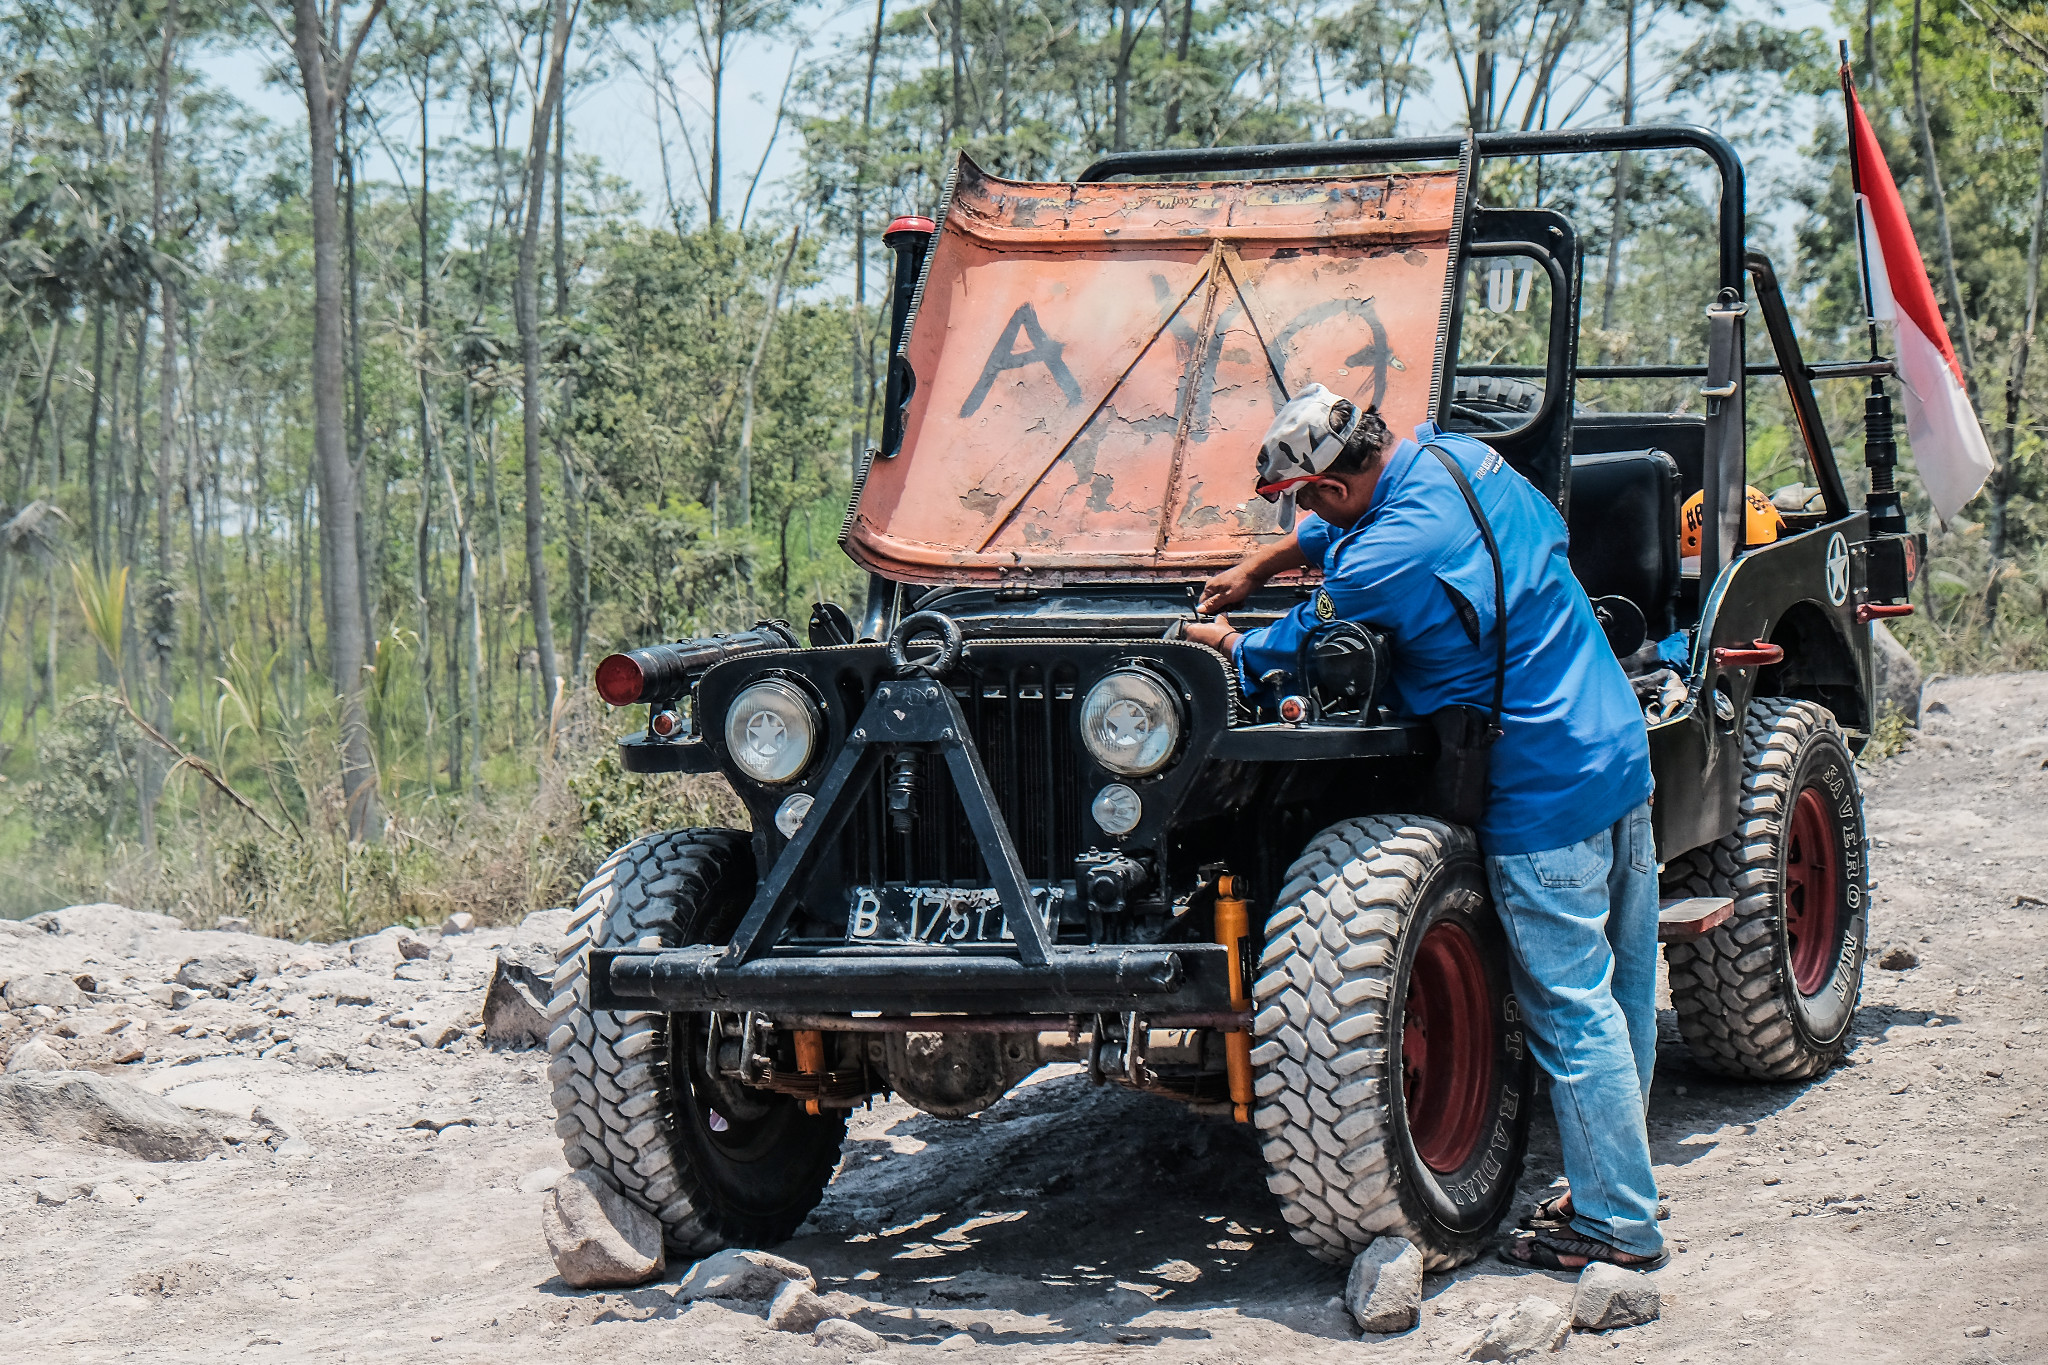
x=1624, y=531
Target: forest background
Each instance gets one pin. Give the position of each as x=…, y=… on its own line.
x=334, y=447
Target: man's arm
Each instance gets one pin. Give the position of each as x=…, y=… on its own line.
x=1251, y=573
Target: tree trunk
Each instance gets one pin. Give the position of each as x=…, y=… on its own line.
x=345, y=624
x=716, y=72
x=2016, y=377
x=1180, y=57
x=162, y=615
x=1948, y=250
x=573, y=489
x=1621, y=169
x=753, y=373
x=524, y=291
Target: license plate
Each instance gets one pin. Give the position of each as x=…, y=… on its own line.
x=940, y=914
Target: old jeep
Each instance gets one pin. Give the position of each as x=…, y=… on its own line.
x=1006, y=818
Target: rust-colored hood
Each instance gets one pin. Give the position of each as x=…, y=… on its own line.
x=1096, y=364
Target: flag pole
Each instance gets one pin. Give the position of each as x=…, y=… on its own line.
x=1880, y=447
x=1856, y=199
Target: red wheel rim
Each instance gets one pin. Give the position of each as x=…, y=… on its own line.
x=1810, y=899
x=1447, y=1048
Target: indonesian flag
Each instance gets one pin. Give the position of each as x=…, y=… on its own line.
x=1948, y=445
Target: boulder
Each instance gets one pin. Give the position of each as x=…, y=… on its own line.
x=44, y=988
x=1896, y=674
x=598, y=1237
x=216, y=973
x=233, y=924
x=796, y=1308
x=847, y=1336
x=1609, y=1296
x=170, y=995
x=515, y=1006
x=344, y=986
x=434, y=1033
x=81, y=1106
x=748, y=1276
x=1532, y=1327
x=1898, y=958
x=36, y=1054
x=1384, y=1292
x=461, y=922
x=104, y=918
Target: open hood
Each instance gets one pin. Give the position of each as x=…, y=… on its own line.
x=1096, y=363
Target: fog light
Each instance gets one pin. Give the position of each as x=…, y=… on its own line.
x=789, y=816
x=1117, y=809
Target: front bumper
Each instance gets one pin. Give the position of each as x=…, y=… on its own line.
x=1097, y=979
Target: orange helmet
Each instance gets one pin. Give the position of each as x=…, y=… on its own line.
x=1764, y=521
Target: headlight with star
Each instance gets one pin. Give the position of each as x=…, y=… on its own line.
x=771, y=731
x=1130, y=722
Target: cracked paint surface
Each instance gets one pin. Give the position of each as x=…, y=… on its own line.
x=1096, y=364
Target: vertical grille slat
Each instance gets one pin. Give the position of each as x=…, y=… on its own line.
x=1027, y=751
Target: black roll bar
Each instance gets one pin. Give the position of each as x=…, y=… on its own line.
x=1446, y=147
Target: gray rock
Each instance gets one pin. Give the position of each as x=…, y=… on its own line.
x=344, y=986
x=515, y=1006
x=847, y=1336
x=1384, y=1292
x=43, y=988
x=796, y=1308
x=170, y=995
x=36, y=1054
x=82, y=1106
x=1532, y=1327
x=233, y=924
x=1897, y=676
x=1609, y=1296
x=461, y=922
x=434, y=1033
x=414, y=948
x=598, y=1237
x=1899, y=958
x=53, y=1192
x=216, y=973
x=748, y=1276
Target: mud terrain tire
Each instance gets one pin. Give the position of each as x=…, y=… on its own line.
x=632, y=1097
x=1769, y=995
x=1409, y=1121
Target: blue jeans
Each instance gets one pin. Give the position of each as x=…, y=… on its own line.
x=1581, y=922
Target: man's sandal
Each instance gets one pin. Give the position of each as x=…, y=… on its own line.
x=1567, y=1251
x=1552, y=1213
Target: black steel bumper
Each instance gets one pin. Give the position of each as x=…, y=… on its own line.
x=1104, y=979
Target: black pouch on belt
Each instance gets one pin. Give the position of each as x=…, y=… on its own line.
x=1466, y=734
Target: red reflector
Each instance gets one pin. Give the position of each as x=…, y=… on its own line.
x=619, y=679
x=1294, y=710
x=665, y=723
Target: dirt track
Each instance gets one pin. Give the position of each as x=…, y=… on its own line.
x=1878, y=1215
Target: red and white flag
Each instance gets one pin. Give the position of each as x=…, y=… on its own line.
x=1948, y=444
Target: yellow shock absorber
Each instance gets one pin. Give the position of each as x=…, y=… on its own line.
x=1233, y=931
x=810, y=1059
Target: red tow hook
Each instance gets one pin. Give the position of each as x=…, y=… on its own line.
x=1866, y=612
x=1760, y=654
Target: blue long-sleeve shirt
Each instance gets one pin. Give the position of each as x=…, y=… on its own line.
x=1573, y=756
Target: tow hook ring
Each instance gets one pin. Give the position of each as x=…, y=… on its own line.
x=952, y=643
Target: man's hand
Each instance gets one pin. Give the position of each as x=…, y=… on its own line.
x=1228, y=588
x=1216, y=634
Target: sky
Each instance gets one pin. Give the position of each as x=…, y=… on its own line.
x=614, y=119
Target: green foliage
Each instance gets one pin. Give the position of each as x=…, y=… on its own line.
x=87, y=766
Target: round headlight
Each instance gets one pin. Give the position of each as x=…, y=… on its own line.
x=771, y=730
x=1130, y=723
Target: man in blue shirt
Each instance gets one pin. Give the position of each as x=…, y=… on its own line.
x=1566, y=829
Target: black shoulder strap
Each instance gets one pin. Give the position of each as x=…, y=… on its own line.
x=1500, y=591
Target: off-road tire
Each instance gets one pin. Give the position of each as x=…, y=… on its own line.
x=1740, y=1005
x=1343, y=941
x=627, y=1084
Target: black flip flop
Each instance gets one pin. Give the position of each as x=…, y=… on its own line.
x=1546, y=1250
x=1548, y=1214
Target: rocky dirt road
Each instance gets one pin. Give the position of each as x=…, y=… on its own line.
x=371, y=1181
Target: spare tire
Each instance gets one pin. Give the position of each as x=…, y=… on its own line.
x=1488, y=405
